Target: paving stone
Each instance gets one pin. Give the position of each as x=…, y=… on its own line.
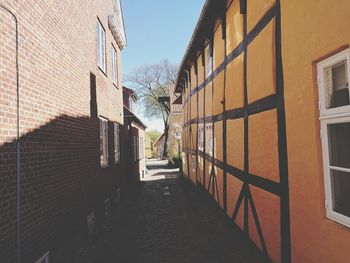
x=177, y=227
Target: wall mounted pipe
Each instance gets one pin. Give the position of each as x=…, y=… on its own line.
x=18, y=155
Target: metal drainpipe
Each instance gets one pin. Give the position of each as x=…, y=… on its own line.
x=18, y=185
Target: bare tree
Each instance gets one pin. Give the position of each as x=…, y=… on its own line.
x=151, y=82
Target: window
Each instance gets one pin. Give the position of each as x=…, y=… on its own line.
x=114, y=66
x=141, y=148
x=116, y=143
x=209, y=138
x=91, y=222
x=104, y=142
x=107, y=207
x=135, y=148
x=208, y=61
x=201, y=137
x=193, y=163
x=333, y=84
x=101, y=51
x=132, y=104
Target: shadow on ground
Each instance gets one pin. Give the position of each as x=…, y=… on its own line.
x=167, y=220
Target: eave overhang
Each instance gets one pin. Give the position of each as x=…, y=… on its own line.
x=128, y=115
x=203, y=33
x=116, y=25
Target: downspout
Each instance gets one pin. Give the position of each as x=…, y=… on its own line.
x=18, y=177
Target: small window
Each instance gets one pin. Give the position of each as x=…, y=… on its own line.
x=103, y=142
x=141, y=149
x=107, y=207
x=193, y=163
x=134, y=142
x=333, y=84
x=208, y=61
x=91, y=223
x=116, y=143
x=114, y=66
x=209, y=138
x=201, y=137
x=101, y=50
x=333, y=80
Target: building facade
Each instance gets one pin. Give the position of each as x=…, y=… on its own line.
x=158, y=146
x=134, y=136
x=265, y=92
x=175, y=127
x=148, y=146
x=60, y=111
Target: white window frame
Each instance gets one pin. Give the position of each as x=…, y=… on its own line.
x=116, y=143
x=331, y=61
x=101, y=46
x=208, y=62
x=328, y=117
x=114, y=57
x=104, y=160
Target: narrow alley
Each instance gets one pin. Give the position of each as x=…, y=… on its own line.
x=166, y=221
x=174, y=131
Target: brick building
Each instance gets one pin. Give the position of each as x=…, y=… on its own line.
x=133, y=136
x=60, y=111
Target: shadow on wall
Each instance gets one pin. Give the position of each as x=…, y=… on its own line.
x=61, y=183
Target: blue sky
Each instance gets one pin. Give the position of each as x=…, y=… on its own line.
x=156, y=30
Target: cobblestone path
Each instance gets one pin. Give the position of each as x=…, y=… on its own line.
x=166, y=221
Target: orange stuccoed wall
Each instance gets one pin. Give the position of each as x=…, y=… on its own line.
x=309, y=30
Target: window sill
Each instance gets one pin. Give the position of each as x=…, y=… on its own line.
x=115, y=85
x=102, y=70
x=338, y=219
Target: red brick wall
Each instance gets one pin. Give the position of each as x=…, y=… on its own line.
x=59, y=140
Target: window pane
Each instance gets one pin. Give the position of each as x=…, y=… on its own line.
x=339, y=144
x=114, y=64
x=340, y=192
x=209, y=62
x=209, y=138
x=336, y=85
x=116, y=143
x=193, y=163
x=200, y=137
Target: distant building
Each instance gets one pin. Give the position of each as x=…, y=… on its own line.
x=148, y=147
x=134, y=135
x=175, y=126
x=158, y=147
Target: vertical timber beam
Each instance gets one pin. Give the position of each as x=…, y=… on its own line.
x=243, y=10
x=282, y=144
x=224, y=123
x=197, y=156
x=204, y=123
